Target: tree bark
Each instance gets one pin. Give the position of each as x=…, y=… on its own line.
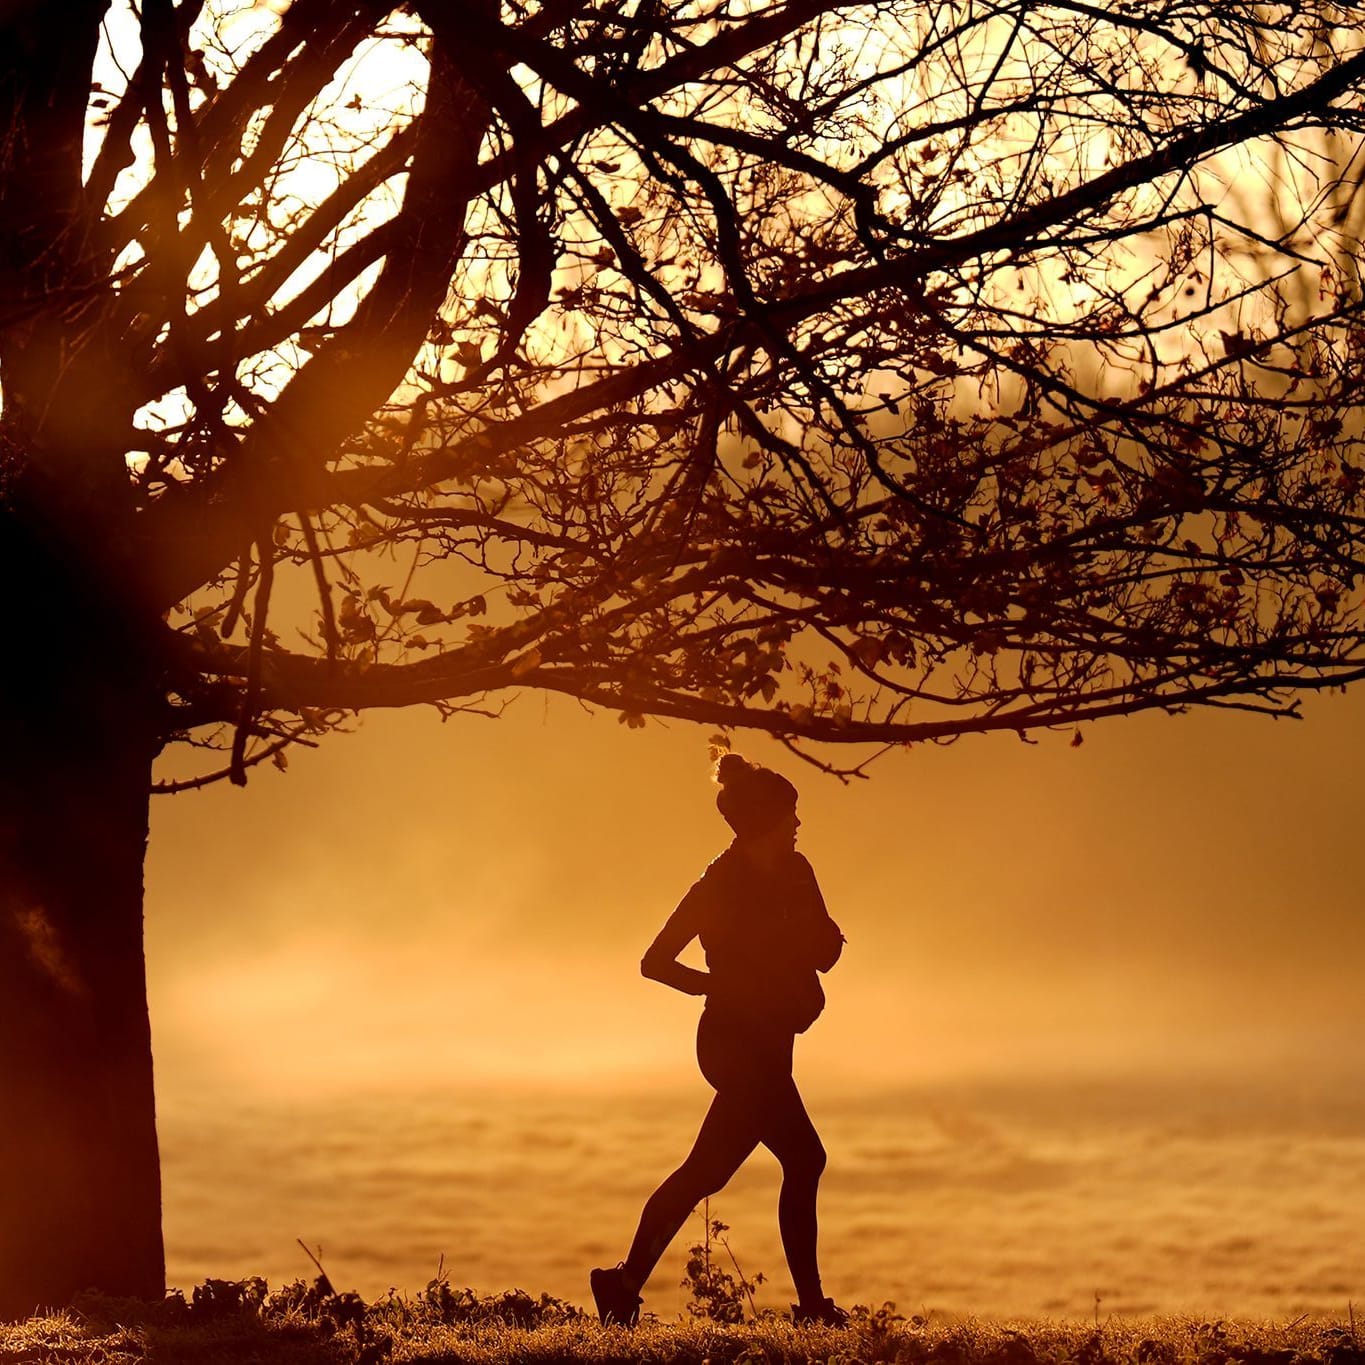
x=80, y=1195
x=79, y=1183
x=80, y=1190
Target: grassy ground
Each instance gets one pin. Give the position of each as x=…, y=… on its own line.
x=299, y=1326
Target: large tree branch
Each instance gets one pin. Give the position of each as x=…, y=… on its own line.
x=294, y=683
x=349, y=376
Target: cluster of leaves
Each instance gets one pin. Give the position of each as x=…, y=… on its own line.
x=713, y=1292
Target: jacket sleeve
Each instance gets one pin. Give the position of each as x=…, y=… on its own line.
x=820, y=935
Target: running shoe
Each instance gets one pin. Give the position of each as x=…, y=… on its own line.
x=616, y=1301
x=821, y=1313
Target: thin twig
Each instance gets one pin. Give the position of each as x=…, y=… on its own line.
x=324, y=1283
x=189, y=784
x=845, y=775
x=234, y=610
x=743, y=1283
x=329, y=623
x=266, y=579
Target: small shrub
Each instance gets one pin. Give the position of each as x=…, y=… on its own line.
x=716, y=1294
x=228, y=1298
x=438, y=1302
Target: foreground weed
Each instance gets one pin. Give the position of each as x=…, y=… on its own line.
x=714, y=1293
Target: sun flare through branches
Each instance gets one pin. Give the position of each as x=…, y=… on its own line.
x=853, y=372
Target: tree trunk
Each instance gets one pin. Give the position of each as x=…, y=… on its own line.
x=80, y=1188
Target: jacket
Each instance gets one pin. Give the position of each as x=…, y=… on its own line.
x=766, y=935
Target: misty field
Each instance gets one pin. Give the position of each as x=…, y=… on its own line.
x=241, y=1321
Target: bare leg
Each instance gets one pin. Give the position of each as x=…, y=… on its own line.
x=729, y=1132
x=789, y=1134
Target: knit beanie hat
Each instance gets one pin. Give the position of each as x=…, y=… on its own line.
x=752, y=799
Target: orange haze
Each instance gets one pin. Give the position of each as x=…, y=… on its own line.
x=470, y=901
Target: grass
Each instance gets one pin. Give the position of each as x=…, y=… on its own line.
x=298, y=1325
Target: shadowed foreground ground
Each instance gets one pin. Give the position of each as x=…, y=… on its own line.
x=299, y=1326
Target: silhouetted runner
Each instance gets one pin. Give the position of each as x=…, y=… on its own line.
x=763, y=924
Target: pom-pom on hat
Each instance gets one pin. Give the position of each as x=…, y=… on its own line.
x=752, y=799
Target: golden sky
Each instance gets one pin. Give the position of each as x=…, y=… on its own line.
x=468, y=902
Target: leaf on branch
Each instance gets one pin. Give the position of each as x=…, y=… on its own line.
x=868, y=651
x=355, y=624
x=766, y=686
x=940, y=364
x=526, y=663
x=428, y=613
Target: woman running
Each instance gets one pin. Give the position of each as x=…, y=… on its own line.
x=763, y=924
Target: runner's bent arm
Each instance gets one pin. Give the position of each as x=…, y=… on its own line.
x=660, y=962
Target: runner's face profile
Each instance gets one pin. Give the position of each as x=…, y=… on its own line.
x=777, y=838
